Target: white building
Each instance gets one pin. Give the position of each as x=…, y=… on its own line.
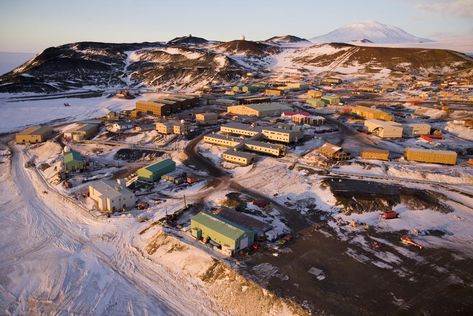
x=120, y=126
x=111, y=196
x=384, y=129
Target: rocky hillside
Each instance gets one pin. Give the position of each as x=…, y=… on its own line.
x=192, y=63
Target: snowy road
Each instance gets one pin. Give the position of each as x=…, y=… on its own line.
x=56, y=257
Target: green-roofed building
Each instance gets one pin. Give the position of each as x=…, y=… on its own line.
x=223, y=232
x=316, y=102
x=154, y=171
x=73, y=161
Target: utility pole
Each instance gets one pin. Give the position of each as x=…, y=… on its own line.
x=185, y=202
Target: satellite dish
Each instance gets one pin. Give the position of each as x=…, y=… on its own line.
x=67, y=149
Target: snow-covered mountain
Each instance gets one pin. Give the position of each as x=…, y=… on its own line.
x=371, y=31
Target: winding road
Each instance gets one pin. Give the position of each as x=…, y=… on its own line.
x=58, y=258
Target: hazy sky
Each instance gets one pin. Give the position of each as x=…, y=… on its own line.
x=33, y=25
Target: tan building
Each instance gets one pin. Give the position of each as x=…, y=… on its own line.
x=371, y=113
x=264, y=148
x=240, y=129
x=292, y=135
x=34, y=134
x=375, y=154
x=333, y=152
x=83, y=131
x=238, y=157
x=384, y=129
x=177, y=128
x=446, y=157
x=181, y=128
x=311, y=120
x=164, y=127
x=315, y=94
x=111, y=196
x=273, y=92
x=206, y=118
x=416, y=129
x=166, y=105
x=259, y=109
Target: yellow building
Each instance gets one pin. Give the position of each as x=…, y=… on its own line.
x=282, y=135
x=83, y=131
x=273, y=92
x=446, y=157
x=376, y=154
x=264, y=148
x=371, y=113
x=238, y=157
x=316, y=94
x=164, y=128
x=259, y=109
x=222, y=140
x=240, y=129
x=34, y=134
x=206, y=118
x=333, y=152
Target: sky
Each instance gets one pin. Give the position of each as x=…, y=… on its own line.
x=33, y=25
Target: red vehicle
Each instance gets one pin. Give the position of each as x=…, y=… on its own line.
x=390, y=215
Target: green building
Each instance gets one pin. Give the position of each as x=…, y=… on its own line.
x=331, y=99
x=225, y=233
x=154, y=171
x=73, y=161
x=315, y=103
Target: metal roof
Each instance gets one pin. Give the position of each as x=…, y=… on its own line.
x=155, y=167
x=241, y=154
x=72, y=155
x=219, y=225
x=36, y=130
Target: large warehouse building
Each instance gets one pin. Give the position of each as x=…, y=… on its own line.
x=166, y=105
x=259, y=109
x=446, y=157
x=229, y=236
x=154, y=171
x=384, y=129
x=34, y=134
x=371, y=113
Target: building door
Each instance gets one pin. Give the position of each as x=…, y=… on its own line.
x=244, y=243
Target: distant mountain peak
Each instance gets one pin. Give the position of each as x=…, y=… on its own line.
x=286, y=39
x=369, y=31
x=188, y=40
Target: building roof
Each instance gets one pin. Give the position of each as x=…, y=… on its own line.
x=36, y=130
x=155, y=167
x=72, y=155
x=330, y=148
x=261, y=144
x=245, y=127
x=383, y=124
x=301, y=113
x=82, y=128
x=240, y=154
x=269, y=106
x=217, y=224
x=109, y=189
x=224, y=137
x=375, y=150
x=243, y=220
x=421, y=150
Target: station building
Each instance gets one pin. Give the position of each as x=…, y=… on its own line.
x=34, y=134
